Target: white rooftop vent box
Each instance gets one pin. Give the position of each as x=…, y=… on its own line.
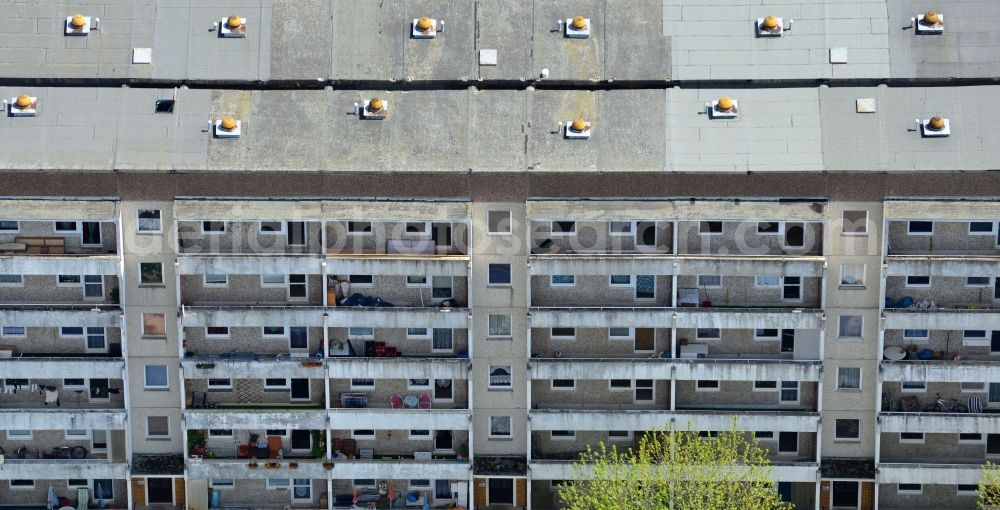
x=425, y=28
x=374, y=109
x=77, y=24
x=930, y=23
x=771, y=26
x=724, y=107
x=934, y=127
x=228, y=127
x=578, y=27
x=233, y=27
x=22, y=106
x=577, y=129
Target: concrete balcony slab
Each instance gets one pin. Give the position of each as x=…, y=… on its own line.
x=387, y=317
x=240, y=469
x=940, y=371
x=58, y=368
x=564, y=470
x=405, y=469
x=942, y=265
x=207, y=367
x=779, y=421
x=396, y=419
x=398, y=368
x=40, y=316
x=392, y=264
x=250, y=264
x=252, y=419
x=941, y=319
x=59, y=264
x=53, y=469
x=940, y=423
x=201, y=316
x=62, y=419
x=931, y=474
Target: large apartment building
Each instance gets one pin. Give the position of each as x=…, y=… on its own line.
x=315, y=255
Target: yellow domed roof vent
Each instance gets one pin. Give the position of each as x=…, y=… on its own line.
x=772, y=26
x=228, y=123
x=577, y=128
x=724, y=107
x=935, y=127
x=23, y=101
x=374, y=108
x=233, y=26
x=770, y=23
x=21, y=106
x=78, y=24
x=78, y=21
x=228, y=127
x=930, y=22
x=577, y=27
x=234, y=21
x=725, y=103
x=936, y=123
x=375, y=104
x=931, y=18
x=424, y=23
x=425, y=27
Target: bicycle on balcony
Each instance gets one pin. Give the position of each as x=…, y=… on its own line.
x=946, y=405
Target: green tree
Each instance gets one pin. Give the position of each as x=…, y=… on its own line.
x=989, y=486
x=676, y=470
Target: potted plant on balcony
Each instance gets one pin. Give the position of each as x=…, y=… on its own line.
x=328, y=464
x=196, y=443
x=253, y=463
x=293, y=465
x=319, y=443
x=463, y=452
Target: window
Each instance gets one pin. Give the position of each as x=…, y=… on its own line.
x=442, y=340
x=272, y=280
x=154, y=324
x=360, y=333
x=909, y=488
x=99, y=438
x=500, y=427
x=499, y=274
x=764, y=435
x=156, y=377
x=297, y=286
x=792, y=288
x=220, y=384
x=14, y=331
x=222, y=483
x=619, y=435
x=359, y=227
x=709, y=281
x=301, y=489
x=911, y=437
x=362, y=384
x=93, y=286
x=975, y=338
x=789, y=393
x=706, y=385
x=417, y=333
x=766, y=281
x=275, y=384
x=981, y=228
x=644, y=391
x=846, y=494
x=74, y=383
x=148, y=220
x=418, y=227
x=849, y=378
x=150, y=273
x=11, y=280
x=562, y=280
x=273, y=331
x=916, y=335
x=847, y=430
x=417, y=281
x=969, y=438
x=363, y=483
x=620, y=280
x=765, y=385
x=499, y=326
x=96, y=339
x=9, y=226
x=420, y=435
x=977, y=281
x=563, y=384
x=925, y=228
x=852, y=275
x=70, y=331
x=708, y=434
x=788, y=442
x=217, y=332
x=967, y=489
x=992, y=444
x=563, y=435
x=621, y=333
x=500, y=377
x=914, y=386
x=296, y=235
x=363, y=434
x=67, y=227
x=563, y=333
x=157, y=427
x=918, y=281
x=216, y=280
x=213, y=227
x=708, y=333
x=441, y=287
x=619, y=228
x=442, y=489
x=498, y=222
x=765, y=334
x=563, y=227
x=418, y=384
x=769, y=227
x=282, y=484
x=68, y=280
x=855, y=223
x=972, y=387
x=710, y=228
x=271, y=227
x=361, y=280
x=18, y=435
x=77, y=483
x=22, y=485
x=850, y=326
x=107, y=488
x=620, y=384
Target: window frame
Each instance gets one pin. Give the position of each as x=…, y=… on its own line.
x=844, y=222
x=510, y=428
x=491, y=385
x=837, y=438
x=489, y=223
x=554, y=283
x=553, y=387
x=499, y=267
x=214, y=284
x=562, y=233
x=145, y=324
x=15, y=230
x=205, y=223
x=907, y=283
x=142, y=275
x=911, y=232
x=155, y=387
x=616, y=233
x=779, y=224
x=700, y=285
x=708, y=223
x=840, y=386
x=165, y=435
x=281, y=228
x=992, y=231
x=139, y=221
x=840, y=327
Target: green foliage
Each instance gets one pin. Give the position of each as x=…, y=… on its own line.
x=675, y=470
x=196, y=439
x=319, y=444
x=989, y=486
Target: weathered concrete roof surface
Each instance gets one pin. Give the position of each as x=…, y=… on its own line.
x=778, y=129
x=968, y=48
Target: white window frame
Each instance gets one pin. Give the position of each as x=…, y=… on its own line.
x=554, y=233
x=554, y=337
x=612, y=284
x=139, y=220
x=78, y=283
x=766, y=389
x=988, y=284
x=904, y=389
x=553, y=387
x=76, y=231
x=841, y=388
x=295, y=483
x=425, y=387
x=284, y=387
x=863, y=280
x=698, y=335
x=909, y=285
x=281, y=228
x=722, y=228
x=426, y=232
x=902, y=440
x=798, y=392
x=157, y=436
x=636, y=388
x=631, y=385
x=627, y=437
x=837, y=439
x=15, y=230
x=18, y=283
x=422, y=285
x=924, y=338
x=615, y=233
x=980, y=440
x=158, y=387
x=20, y=437
x=993, y=228
x=510, y=327
x=23, y=334
x=362, y=232
x=283, y=283
x=222, y=486
x=421, y=437
x=151, y=284
x=361, y=387
x=571, y=436
x=212, y=232
x=780, y=232
x=510, y=223
x=628, y=338
x=100, y=234
x=76, y=437
x=701, y=285
x=353, y=335
x=83, y=331
x=272, y=336
x=842, y=223
x=961, y=492
x=206, y=283
x=553, y=283
x=275, y=484
x=707, y=389
x=227, y=334
x=758, y=338
x=304, y=283
x=359, y=285
x=757, y=281
x=510, y=428
x=976, y=341
x=426, y=335
x=840, y=327
x=980, y=388
x=21, y=487
x=84, y=485
x=909, y=492
x=910, y=232
x=219, y=387
x=503, y=387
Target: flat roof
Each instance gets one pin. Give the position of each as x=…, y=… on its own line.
x=633, y=130
x=361, y=40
